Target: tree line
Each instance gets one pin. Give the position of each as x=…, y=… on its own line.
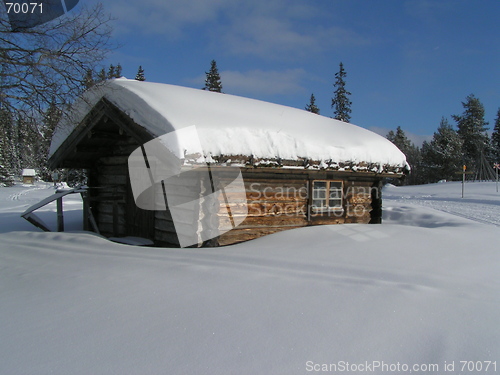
x=25, y=137
x=443, y=157
x=42, y=71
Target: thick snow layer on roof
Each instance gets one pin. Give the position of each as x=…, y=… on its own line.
x=232, y=125
x=29, y=172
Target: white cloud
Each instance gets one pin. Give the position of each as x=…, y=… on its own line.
x=266, y=36
x=278, y=30
x=163, y=17
x=271, y=29
x=259, y=82
x=417, y=139
x=264, y=82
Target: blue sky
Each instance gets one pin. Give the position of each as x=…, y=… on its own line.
x=408, y=63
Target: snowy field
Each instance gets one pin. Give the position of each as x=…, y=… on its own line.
x=418, y=294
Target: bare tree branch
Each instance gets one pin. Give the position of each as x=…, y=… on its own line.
x=48, y=63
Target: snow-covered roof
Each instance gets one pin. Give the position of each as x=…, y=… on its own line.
x=28, y=172
x=232, y=125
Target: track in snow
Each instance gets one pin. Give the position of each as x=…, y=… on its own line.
x=482, y=212
x=19, y=194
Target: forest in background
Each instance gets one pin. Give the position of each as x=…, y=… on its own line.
x=43, y=70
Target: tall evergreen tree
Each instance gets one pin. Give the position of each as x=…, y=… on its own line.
x=311, y=107
x=140, y=74
x=114, y=71
x=29, y=140
x=442, y=156
x=22, y=141
x=88, y=79
x=472, y=130
x=495, y=138
x=101, y=76
x=212, y=80
x=91, y=78
x=111, y=72
x=340, y=101
x=412, y=153
x=50, y=120
x=400, y=139
x=6, y=172
x=118, y=71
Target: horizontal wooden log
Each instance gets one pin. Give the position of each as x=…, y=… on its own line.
x=114, y=160
x=113, y=170
x=360, y=199
x=165, y=226
x=265, y=209
x=166, y=239
x=103, y=218
x=357, y=220
x=241, y=235
x=107, y=208
x=107, y=230
x=163, y=215
x=108, y=190
x=112, y=180
x=325, y=220
x=266, y=221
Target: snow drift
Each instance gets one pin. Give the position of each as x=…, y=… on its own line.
x=419, y=294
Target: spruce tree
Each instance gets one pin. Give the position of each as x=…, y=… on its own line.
x=114, y=71
x=118, y=71
x=400, y=139
x=6, y=172
x=29, y=142
x=412, y=153
x=140, y=74
x=111, y=72
x=311, y=107
x=495, y=139
x=212, y=80
x=88, y=80
x=340, y=101
x=442, y=156
x=472, y=130
x=101, y=76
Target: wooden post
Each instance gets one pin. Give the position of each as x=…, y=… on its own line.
x=463, y=173
x=60, y=215
x=497, y=167
x=115, y=218
x=463, y=179
x=86, y=210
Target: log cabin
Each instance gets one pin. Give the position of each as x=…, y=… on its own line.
x=243, y=168
x=28, y=176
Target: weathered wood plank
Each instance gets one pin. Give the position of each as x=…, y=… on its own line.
x=265, y=209
x=104, y=218
x=112, y=180
x=166, y=238
x=323, y=220
x=241, y=235
x=267, y=222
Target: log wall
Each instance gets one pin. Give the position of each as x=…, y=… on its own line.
x=277, y=202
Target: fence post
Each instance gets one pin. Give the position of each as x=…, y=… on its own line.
x=60, y=215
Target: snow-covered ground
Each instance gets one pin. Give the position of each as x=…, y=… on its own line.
x=417, y=294
x=480, y=202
